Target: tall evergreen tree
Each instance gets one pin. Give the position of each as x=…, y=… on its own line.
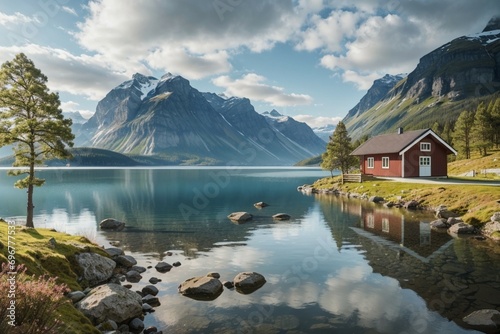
x=462, y=133
x=338, y=150
x=482, y=130
x=32, y=121
x=494, y=110
x=436, y=127
x=447, y=132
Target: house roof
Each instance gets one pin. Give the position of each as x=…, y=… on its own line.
x=396, y=143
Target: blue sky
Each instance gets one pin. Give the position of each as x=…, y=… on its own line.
x=309, y=59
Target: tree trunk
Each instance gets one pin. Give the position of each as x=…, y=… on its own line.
x=29, y=215
x=30, y=206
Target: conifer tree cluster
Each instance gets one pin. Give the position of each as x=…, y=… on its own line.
x=474, y=130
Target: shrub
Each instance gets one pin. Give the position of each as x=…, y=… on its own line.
x=36, y=302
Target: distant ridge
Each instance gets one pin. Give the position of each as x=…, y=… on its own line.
x=84, y=157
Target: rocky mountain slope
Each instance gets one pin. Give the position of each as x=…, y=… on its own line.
x=289, y=136
x=380, y=88
x=163, y=117
x=448, y=80
x=299, y=132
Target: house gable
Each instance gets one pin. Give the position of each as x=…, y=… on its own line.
x=427, y=133
x=426, y=147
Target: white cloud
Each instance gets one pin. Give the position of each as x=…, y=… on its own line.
x=200, y=32
x=69, y=106
x=383, y=44
x=188, y=65
x=317, y=121
x=79, y=75
x=69, y=10
x=17, y=18
x=253, y=86
x=329, y=33
x=362, y=81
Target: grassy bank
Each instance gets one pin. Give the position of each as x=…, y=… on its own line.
x=33, y=249
x=475, y=203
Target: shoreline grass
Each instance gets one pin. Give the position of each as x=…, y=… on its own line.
x=475, y=203
x=34, y=249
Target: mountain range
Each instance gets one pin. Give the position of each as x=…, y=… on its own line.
x=167, y=121
x=450, y=79
x=166, y=117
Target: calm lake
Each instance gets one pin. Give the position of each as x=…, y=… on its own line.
x=338, y=266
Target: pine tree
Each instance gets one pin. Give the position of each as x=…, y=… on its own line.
x=32, y=121
x=494, y=110
x=462, y=133
x=436, y=127
x=338, y=150
x=447, y=132
x=482, y=130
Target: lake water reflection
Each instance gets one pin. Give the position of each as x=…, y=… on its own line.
x=338, y=265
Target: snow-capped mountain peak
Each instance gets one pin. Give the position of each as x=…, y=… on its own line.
x=143, y=84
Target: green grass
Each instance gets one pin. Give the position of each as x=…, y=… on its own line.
x=477, y=163
x=32, y=248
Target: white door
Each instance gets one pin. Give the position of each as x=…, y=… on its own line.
x=425, y=166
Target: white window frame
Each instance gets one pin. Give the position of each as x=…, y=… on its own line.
x=370, y=221
x=425, y=158
x=370, y=162
x=425, y=146
x=385, y=225
x=384, y=164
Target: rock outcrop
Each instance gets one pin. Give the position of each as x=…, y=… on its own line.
x=111, y=224
x=281, y=216
x=110, y=302
x=492, y=228
x=248, y=282
x=96, y=268
x=163, y=267
x=240, y=217
x=461, y=228
x=487, y=321
x=202, y=288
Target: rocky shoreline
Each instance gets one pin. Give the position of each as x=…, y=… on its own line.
x=445, y=219
x=114, y=308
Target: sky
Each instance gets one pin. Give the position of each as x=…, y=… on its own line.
x=309, y=59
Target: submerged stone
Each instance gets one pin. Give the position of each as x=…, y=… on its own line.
x=248, y=282
x=240, y=217
x=201, y=288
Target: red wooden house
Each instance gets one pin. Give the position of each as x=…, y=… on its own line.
x=419, y=153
